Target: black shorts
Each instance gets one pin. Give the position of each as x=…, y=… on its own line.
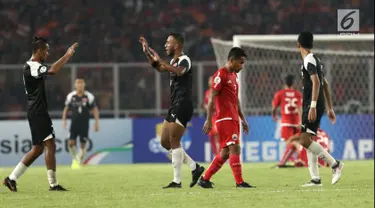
x=81, y=131
x=41, y=128
x=180, y=113
x=311, y=127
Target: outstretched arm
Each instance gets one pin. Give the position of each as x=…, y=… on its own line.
x=62, y=61
x=165, y=66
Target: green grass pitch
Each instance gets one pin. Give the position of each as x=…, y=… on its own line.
x=140, y=186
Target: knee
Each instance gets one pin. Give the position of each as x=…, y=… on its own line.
x=37, y=150
x=174, y=141
x=225, y=155
x=166, y=144
x=51, y=146
x=71, y=143
x=305, y=141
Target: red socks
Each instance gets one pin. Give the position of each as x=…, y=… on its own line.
x=289, y=151
x=236, y=166
x=216, y=164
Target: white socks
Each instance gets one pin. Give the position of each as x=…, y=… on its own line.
x=73, y=151
x=177, y=159
x=312, y=159
x=18, y=171
x=51, y=175
x=322, y=153
x=189, y=161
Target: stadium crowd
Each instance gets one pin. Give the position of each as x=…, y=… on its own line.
x=109, y=33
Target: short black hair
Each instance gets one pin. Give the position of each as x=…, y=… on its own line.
x=289, y=80
x=179, y=37
x=306, y=39
x=236, y=53
x=38, y=43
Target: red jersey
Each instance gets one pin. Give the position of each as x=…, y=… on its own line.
x=289, y=100
x=226, y=84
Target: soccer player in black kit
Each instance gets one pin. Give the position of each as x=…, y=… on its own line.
x=316, y=99
x=181, y=106
x=80, y=102
x=42, y=133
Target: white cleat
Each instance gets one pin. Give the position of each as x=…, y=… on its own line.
x=313, y=183
x=336, y=173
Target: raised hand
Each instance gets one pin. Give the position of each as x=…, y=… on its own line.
x=71, y=49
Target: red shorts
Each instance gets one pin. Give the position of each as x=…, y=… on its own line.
x=229, y=132
x=213, y=131
x=287, y=132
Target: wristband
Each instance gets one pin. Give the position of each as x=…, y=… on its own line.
x=154, y=64
x=313, y=104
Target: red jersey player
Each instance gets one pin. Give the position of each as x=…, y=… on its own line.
x=213, y=134
x=228, y=111
x=290, y=102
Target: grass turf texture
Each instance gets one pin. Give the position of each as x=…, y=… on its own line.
x=140, y=186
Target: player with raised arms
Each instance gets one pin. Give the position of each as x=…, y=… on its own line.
x=181, y=107
x=224, y=94
x=42, y=133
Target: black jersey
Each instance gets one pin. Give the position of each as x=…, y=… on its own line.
x=312, y=65
x=181, y=86
x=80, y=107
x=34, y=74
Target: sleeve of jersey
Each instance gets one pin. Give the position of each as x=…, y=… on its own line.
x=38, y=70
x=92, y=102
x=186, y=65
x=310, y=64
x=68, y=100
x=217, y=83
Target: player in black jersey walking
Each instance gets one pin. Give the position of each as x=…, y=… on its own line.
x=181, y=107
x=80, y=102
x=42, y=133
x=315, y=95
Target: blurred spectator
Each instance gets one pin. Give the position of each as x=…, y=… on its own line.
x=108, y=31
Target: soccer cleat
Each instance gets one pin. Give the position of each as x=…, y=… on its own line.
x=196, y=174
x=173, y=185
x=205, y=183
x=11, y=184
x=313, y=183
x=75, y=164
x=244, y=185
x=336, y=172
x=57, y=188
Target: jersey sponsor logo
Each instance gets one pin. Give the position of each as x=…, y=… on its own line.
x=217, y=80
x=234, y=137
x=43, y=69
x=230, y=82
x=173, y=115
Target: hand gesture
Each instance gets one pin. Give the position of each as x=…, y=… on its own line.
x=312, y=115
x=155, y=55
x=144, y=43
x=96, y=127
x=71, y=49
x=207, y=126
x=245, y=127
x=332, y=116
